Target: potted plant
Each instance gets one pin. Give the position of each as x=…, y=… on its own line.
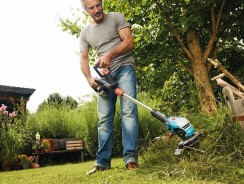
x=37, y=146
x=25, y=160
x=46, y=145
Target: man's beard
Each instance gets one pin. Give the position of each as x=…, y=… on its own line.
x=98, y=17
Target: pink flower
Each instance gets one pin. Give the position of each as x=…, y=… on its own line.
x=11, y=115
x=3, y=108
x=5, y=113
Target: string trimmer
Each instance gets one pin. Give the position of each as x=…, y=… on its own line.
x=175, y=124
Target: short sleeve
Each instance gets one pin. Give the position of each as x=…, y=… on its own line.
x=84, y=45
x=120, y=21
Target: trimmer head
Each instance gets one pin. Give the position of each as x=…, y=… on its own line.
x=188, y=143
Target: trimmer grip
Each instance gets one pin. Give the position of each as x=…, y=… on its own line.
x=160, y=116
x=96, y=68
x=103, y=85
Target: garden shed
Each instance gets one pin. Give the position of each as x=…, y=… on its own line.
x=11, y=96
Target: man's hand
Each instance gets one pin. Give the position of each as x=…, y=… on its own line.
x=104, y=61
x=92, y=82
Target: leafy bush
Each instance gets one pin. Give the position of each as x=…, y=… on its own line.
x=11, y=145
x=53, y=122
x=177, y=94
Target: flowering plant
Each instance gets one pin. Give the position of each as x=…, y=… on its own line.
x=24, y=159
x=6, y=118
x=45, y=144
x=37, y=145
x=41, y=144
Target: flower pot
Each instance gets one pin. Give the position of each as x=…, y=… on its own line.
x=27, y=166
x=6, y=166
x=48, y=145
x=16, y=166
x=38, y=150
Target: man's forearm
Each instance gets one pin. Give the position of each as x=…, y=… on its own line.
x=84, y=65
x=85, y=68
x=124, y=47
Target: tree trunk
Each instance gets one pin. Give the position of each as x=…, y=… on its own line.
x=200, y=73
x=203, y=86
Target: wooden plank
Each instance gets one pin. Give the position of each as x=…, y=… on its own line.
x=74, y=142
x=73, y=145
x=75, y=148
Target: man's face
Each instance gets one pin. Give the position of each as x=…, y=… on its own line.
x=95, y=9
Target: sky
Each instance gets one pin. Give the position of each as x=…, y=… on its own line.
x=35, y=53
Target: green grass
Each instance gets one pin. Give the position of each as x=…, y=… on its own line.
x=75, y=173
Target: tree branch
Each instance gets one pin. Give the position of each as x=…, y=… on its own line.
x=186, y=68
x=219, y=15
x=213, y=19
x=215, y=26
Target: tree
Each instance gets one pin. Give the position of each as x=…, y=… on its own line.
x=188, y=32
x=55, y=99
x=169, y=34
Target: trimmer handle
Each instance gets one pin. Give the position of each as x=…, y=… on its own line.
x=104, y=86
x=106, y=83
x=104, y=73
x=96, y=68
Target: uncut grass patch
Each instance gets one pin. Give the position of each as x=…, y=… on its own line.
x=222, y=160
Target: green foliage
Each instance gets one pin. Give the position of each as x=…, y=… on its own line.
x=52, y=122
x=11, y=145
x=56, y=100
x=72, y=27
x=159, y=25
x=87, y=116
x=178, y=94
x=13, y=137
x=232, y=59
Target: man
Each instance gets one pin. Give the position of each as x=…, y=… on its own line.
x=110, y=35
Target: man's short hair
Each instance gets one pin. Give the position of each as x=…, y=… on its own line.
x=83, y=4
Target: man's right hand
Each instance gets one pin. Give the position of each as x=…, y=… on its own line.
x=92, y=82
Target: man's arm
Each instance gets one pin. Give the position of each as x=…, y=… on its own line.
x=85, y=68
x=125, y=46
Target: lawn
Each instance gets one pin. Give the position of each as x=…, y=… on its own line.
x=75, y=173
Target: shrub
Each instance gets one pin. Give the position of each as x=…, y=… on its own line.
x=52, y=122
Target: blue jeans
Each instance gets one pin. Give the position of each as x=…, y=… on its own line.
x=126, y=78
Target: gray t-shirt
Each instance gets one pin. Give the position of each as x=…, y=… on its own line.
x=104, y=37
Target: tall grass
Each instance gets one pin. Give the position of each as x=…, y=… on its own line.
x=223, y=146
